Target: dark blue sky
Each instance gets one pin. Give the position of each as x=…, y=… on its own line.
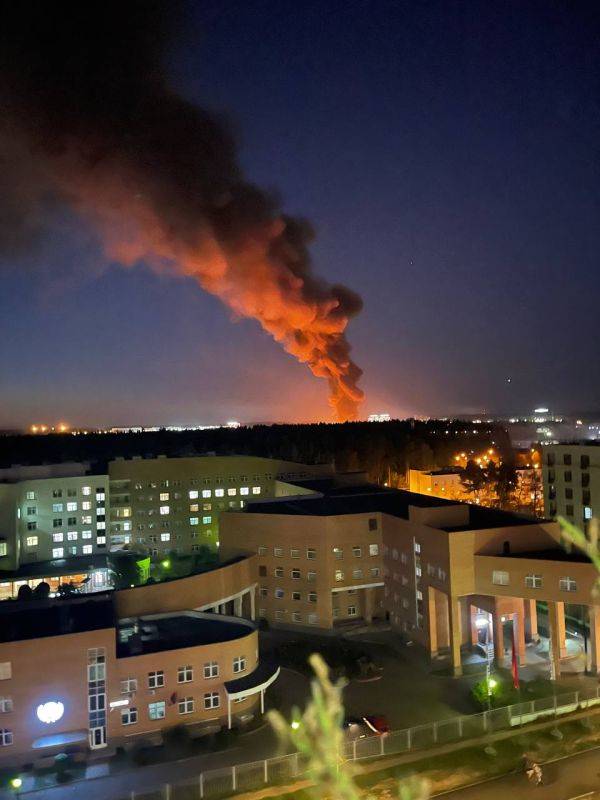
x=447, y=154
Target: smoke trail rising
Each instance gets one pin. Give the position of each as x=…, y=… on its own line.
x=89, y=119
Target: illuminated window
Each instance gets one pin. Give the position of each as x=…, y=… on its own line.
x=156, y=710
x=57, y=508
x=71, y=507
x=256, y=490
x=373, y=549
x=30, y=495
x=164, y=510
x=244, y=490
x=32, y=541
x=206, y=520
x=500, y=577
x=71, y=536
x=338, y=552
x=165, y=537
x=86, y=505
x=87, y=490
x=87, y=549
x=86, y=519
x=58, y=537
x=339, y=575
x=219, y=492
x=351, y=611
x=206, y=493
x=164, y=496
x=58, y=552
x=232, y=492
x=193, y=506
x=193, y=520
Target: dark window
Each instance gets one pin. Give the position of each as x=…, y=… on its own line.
x=567, y=459
x=584, y=462
x=262, y=571
x=569, y=511
x=372, y=524
x=551, y=476
x=550, y=460
x=585, y=480
x=57, y=523
x=569, y=494
x=568, y=476
x=586, y=498
x=72, y=521
x=552, y=510
x=552, y=493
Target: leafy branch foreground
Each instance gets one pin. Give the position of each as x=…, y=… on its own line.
x=318, y=735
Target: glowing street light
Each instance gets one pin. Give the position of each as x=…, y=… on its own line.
x=294, y=725
x=16, y=783
x=165, y=564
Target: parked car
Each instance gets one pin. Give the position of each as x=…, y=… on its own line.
x=377, y=724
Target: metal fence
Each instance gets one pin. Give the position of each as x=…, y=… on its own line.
x=221, y=783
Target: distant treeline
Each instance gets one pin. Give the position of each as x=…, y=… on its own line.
x=383, y=449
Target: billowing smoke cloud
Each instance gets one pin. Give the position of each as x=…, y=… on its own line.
x=88, y=118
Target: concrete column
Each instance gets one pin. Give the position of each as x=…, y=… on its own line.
x=519, y=627
x=474, y=629
x=432, y=621
x=223, y=608
x=455, y=634
x=531, y=626
x=556, y=622
x=369, y=601
x=237, y=605
x=442, y=620
x=594, y=642
x=498, y=630
x=252, y=605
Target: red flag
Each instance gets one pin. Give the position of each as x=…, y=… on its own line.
x=515, y=662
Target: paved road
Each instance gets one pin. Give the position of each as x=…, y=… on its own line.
x=574, y=777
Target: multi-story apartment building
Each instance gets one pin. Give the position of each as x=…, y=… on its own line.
x=110, y=680
x=572, y=480
x=162, y=504
x=449, y=575
x=51, y=513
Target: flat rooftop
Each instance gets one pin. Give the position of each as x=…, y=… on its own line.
x=152, y=634
x=333, y=500
x=554, y=554
x=36, y=619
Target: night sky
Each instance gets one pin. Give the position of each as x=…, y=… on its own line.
x=447, y=155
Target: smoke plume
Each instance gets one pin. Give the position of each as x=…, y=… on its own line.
x=88, y=119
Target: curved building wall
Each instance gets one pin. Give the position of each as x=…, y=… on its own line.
x=215, y=588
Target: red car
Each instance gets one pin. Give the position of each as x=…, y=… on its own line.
x=377, y=724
